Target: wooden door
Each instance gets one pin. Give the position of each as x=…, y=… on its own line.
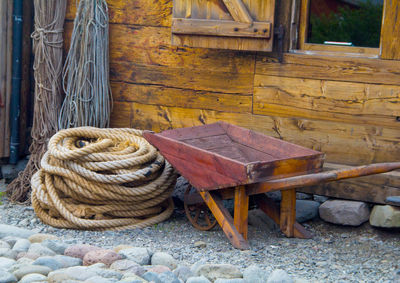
x=224, y=24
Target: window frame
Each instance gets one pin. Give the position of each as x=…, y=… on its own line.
x=322, y=49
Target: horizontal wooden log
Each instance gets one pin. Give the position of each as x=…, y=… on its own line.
x=156, y=13
x=186, y=98
x=182, y=78
x=334, y=68
x=374, y=189
x=355, y=103
x=221, y=28
x=343, y=143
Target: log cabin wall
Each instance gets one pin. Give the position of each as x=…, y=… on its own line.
x=347, y=107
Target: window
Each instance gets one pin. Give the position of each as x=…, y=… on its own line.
x=348, y=26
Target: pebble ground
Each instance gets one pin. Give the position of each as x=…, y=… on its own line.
x=335, y=254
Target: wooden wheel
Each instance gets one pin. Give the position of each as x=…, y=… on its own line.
x=197, y=211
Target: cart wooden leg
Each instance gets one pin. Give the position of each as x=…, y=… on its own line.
x=272, y=210
x=225, y=220
x=288, y=212
x=241, y=212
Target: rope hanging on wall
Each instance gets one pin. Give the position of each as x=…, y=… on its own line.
x=47, y=48
x=101, y=179
x=86, y=72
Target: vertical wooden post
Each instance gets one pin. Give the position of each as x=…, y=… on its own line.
x=225, y=220
x=240, y=217
x=288, y=212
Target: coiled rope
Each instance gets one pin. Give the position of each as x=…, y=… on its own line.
x=102, y=179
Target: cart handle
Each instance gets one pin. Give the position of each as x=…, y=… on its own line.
x=323, y=177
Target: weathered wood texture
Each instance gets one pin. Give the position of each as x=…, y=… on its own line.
x=346, y=107
x=390, y=34
x=5, y=75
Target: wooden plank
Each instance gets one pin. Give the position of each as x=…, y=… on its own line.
x=355, y=103
x=238, y=11
x=374, y=189
x=335, y=68
x=221, y=28
x=390, y=33
x=241, y=210
x=178, y=97
x=121, y=115
x=7, y=129
x=197, y=132
x=3, y=68
x=288, y=212
x=224, y=220
x=147, y=45
x=156, y=13
x=343, y=143
x=182, y=78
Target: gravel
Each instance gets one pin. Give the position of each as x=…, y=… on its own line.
x=335, y=254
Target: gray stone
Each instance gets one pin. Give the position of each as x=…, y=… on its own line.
x=4, y=245
x=160, y=258
x=279, y=276
x=99, y=279
x=8, y=253
x=38, y=249
x=131, y=280
x=11, y=240
x=80, y=273
x=129, y=277
x=138, y=255
x=306, y=210
x=168, y=277
x=21, y=245
x=28, y=269
x=40, y=237
x=33, y=277
x=275, y=196
x=320, y=199
x=9, y=230
x=215, y=271
x=235, y=280
x=198, y=279
x=10, y=171
x=152, y=276
x=344, y=212
x=180, y=188
x=200, y=244
x=67, y=261
x=6, y=262
x=183, y=272
x=385, y=216
x=258, y=218
x=128, y=266
x=103, y=272
x=255, y=274
x=56, y=246
x=49, y=261
x=7, y=277
x=303, y=196
x=197, y=265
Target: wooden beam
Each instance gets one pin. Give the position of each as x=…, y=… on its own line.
x=288, y=212
x=225, y=220
x=238, y=11
x=241, y=206
x=221, y=28
x=390, y=32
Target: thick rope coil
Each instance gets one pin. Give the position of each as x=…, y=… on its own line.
x=102, y=179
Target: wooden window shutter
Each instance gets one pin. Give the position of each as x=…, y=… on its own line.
x=224, y=24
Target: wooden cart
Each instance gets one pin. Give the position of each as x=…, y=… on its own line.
x=223, y=161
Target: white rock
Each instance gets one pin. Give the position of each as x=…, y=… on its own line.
x=28, y=269
x=215, y=271
x=160, y=258
x=6, y=262
x=385, y=216
x=21, y=245
x=344, y=212
x=4, y=245
x=279, y=276
x=40, y=250
x=138, y=255
x=198, y=279
x=9, y=230
x=33, y=277
x=7, y=277
x=255, y=274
